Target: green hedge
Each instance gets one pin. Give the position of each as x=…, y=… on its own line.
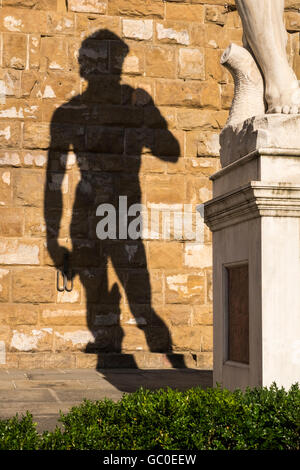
x=168, y=419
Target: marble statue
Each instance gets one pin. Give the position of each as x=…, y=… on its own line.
x=264, y=80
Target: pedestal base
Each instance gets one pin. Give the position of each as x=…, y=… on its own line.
x=256, y=265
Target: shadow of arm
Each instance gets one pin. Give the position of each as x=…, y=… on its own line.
x=165, y=145
x=53, y=199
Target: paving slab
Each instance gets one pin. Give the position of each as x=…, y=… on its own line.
x=36, y=395
x=46, y=392
x=50, y=384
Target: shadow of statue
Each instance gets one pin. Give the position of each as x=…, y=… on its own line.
x=106, y=129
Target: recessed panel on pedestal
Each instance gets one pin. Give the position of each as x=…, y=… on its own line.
x=238, y=314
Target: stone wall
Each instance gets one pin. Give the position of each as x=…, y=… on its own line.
x=102, y=99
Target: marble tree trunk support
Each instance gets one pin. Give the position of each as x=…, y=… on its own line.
x=248, y=97
x=255, y=211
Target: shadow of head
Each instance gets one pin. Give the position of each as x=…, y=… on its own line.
x=102, y=53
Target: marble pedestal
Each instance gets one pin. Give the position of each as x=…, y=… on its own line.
x=255, y=219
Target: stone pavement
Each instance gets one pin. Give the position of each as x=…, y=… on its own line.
x=44, y=392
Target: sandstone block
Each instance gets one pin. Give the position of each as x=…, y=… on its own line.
x=165, y=255
x=4, y=286
x=152, y=164
x=34, y=285
x=133, y=62
x=206, y=338
x=11, y=361
x=11, y=222
x=32, y=4
x=19, y=252
x=10, y=80
x=87, y=6
x=60, y=361
x=29, y=188
x=87, y=25
x=292, y=21
x=212, y=66
x=198, y=35
x=36, y=136
x=202, y=315
x=5, y=333
x=185, y=288
x=189, y=119
x=23, y=21
x=60, y=23
x=202, y=144
x=10, y=134
x=30, y=361
x=76, y=338
x=55, y=85
x=85, y=360
x=73, y=297
x=165, y=189
x=216, y=37
x=134, y=339
x=20, y=109
x=198, y=187
x=191, y=63
x=205, y=360
x=210, y=95
x=63, y=86
x=160, y=62
x=173, y=33
x=58, y=315
x=146, y=8
x=35, y=225
x=30, y=84
x=178, y=93
x=137, y=29
x=187, y=338
x=197, y=255
x=178, y=315
x=53, y=53
x=178, y=11
x=5, y=187
x=34, y=158
x=10, y=158
x=236, y=36
x=215, y=14
x=26, y=339
x=22, y=314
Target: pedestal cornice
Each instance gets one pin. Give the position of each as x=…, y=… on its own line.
x=255, y=199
